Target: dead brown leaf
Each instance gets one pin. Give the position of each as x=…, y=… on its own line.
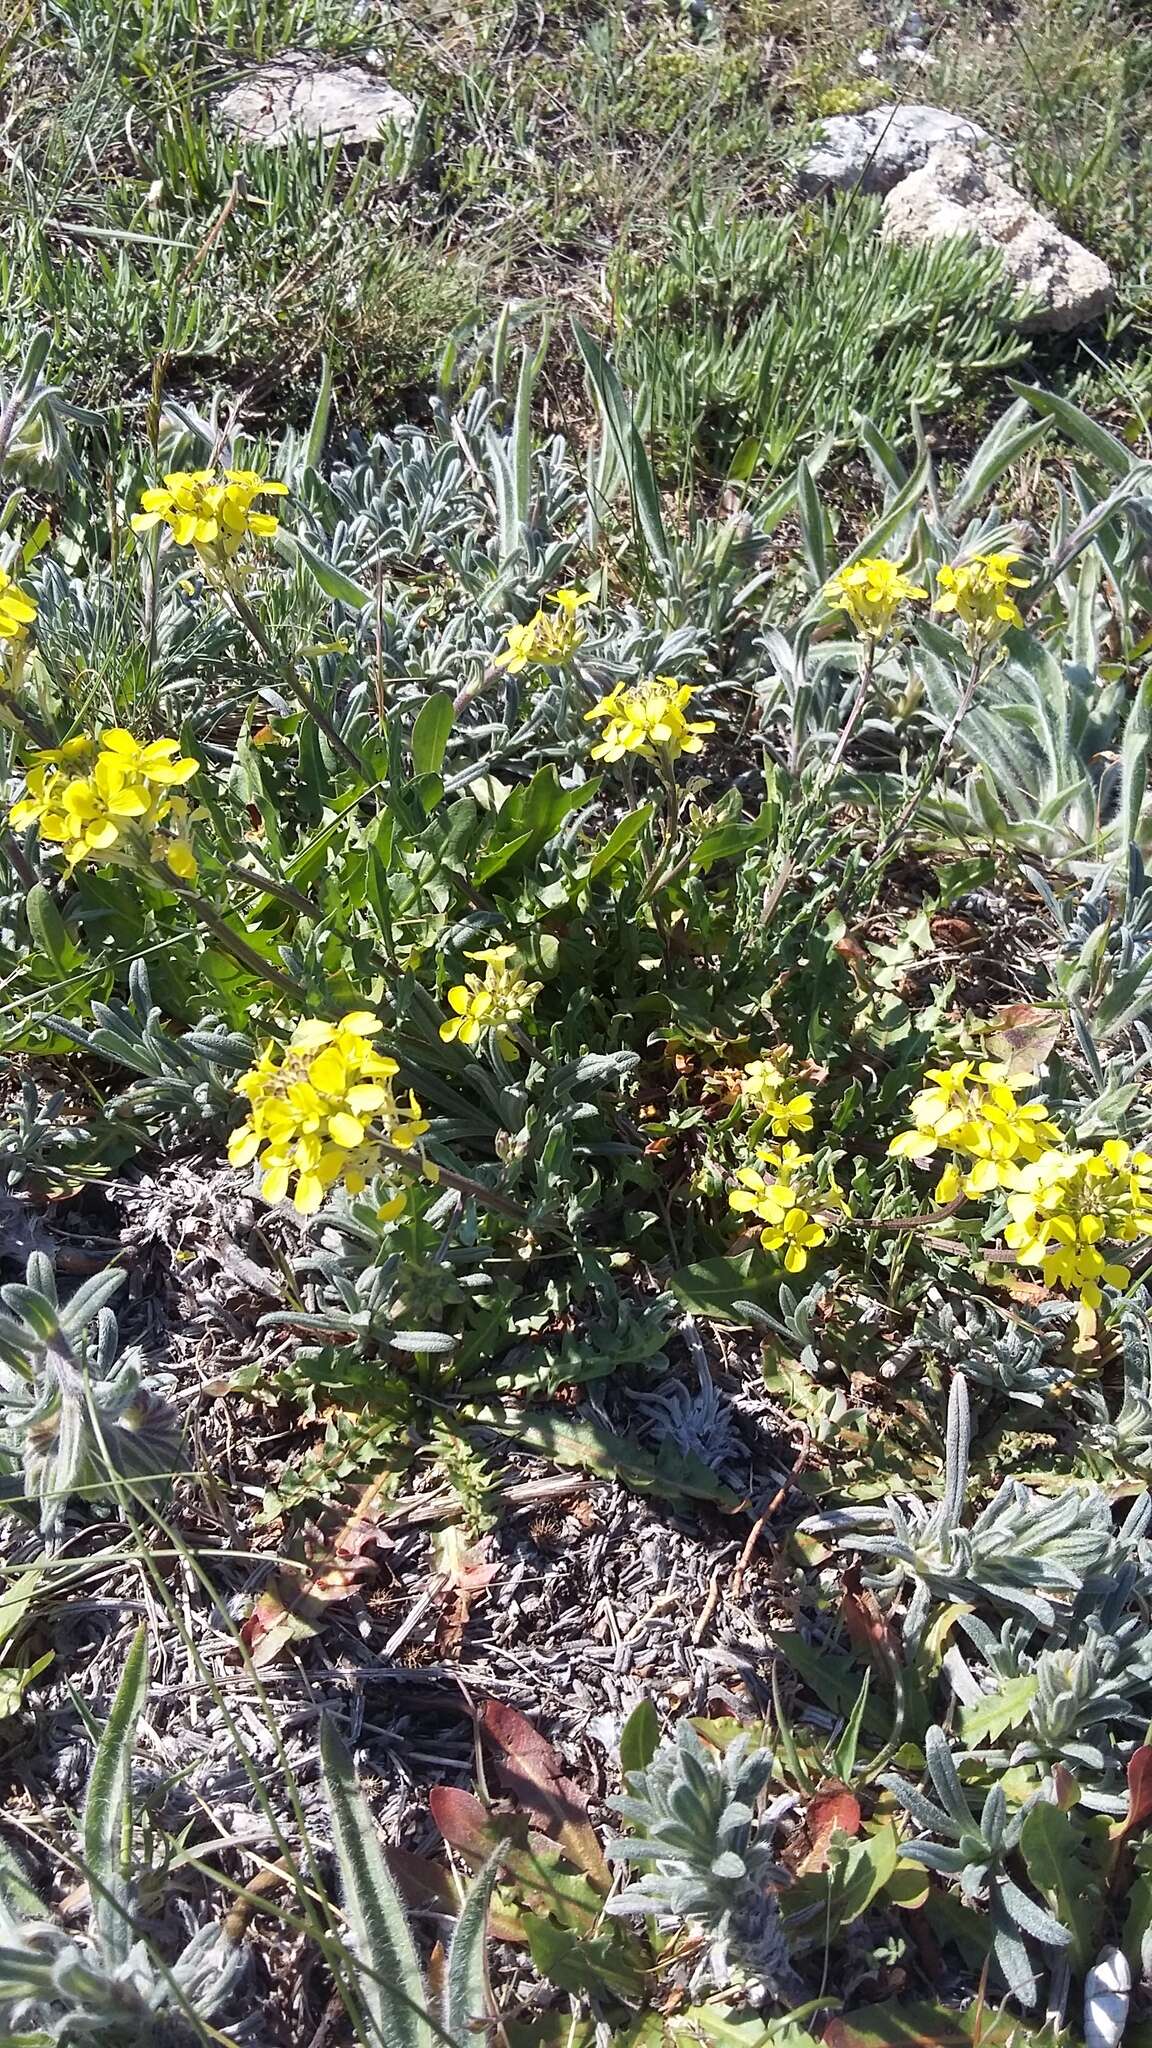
x=291, y=1608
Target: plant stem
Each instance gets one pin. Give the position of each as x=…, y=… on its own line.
x=474, y=1190
x=912, y=804
x=854, y=716
x=294, y=682
x=269, y=885
x=12, y=708
x=229, y=941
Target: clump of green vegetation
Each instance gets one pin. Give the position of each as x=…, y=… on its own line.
x=576, y=951
x=753, y=337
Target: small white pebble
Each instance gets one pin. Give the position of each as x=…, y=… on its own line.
x=1106, y=1993
x=867, y=60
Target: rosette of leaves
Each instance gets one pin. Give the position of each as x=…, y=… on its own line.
x=1025, y=1552
x=1122, y=1442
x=74, y=1417
x=975, y=1851
x=1009, y=1354
x=183, y=1082
x=109, y=1987
x=1084, y=1703
x=708, y=1852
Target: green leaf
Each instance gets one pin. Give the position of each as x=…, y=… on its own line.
x=619, y=425
x=490, y=864
x=639, y=1738
x=857, y=1871
x=389, y=1983
x=107, y=1819
x=726, y=1289
x=16, y=1599
x=578, y=1441
x=1050, y=1845
x=1005, y=1708
x=844, y=1756
x=620, y=840
x=430, y=734
x=466, y=1998
x=332, y=581
x=907, y=2023
x=1087, y=434
x=604, y=1965
x=834, y=1679
x=50, y=931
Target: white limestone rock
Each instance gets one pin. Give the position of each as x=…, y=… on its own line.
x=956, y=193
x=871, y=152
x=299, y=94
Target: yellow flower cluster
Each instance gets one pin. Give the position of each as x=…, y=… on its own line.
x=210, y=510
x=111, y=799
x=492, y=1003
x=1066, y=1205
x=978, y=591
x=768, y=1091
x=549, y=640
x=873, y=590
x=972, y=1111
x=648, y=719
x=783, y=1199
x=313, y=1110
x=16, y=611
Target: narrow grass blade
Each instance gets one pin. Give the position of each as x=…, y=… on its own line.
x=391, y=1986
x=107, y=1826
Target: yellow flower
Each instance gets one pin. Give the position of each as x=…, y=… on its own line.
x=107, y=798
x=648, y=719
x=767, y=1090
x=492, y=1004
x=1066, y=1206
x=550, y=639
x=978, y=592
x=173, y=846
x=972, y=1110
x=210, y=510
x=16, y=610
x=783, y=1200
x=319, y=1112
x=871, y=591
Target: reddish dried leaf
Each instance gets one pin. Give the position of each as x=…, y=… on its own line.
x=1139, y=1790
x=465, y=1571
x=465, y=1822
x=533, y=1773
x=282, y=1616
x=1139, y=1809
x=833, y=1807
x=869, y=1629
x=1024, y=1037
x=292, y=1607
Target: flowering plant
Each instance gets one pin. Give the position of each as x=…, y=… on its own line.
x=210, y=510
x=111, y=799
x=648, y=719
x=319, y=1112
x=871, y=592
x=494, y=1003
x=549, y=639
x=979, y=591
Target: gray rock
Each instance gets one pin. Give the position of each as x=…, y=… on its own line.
x=955, y=194
x=873, y=151
x=298, y=94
